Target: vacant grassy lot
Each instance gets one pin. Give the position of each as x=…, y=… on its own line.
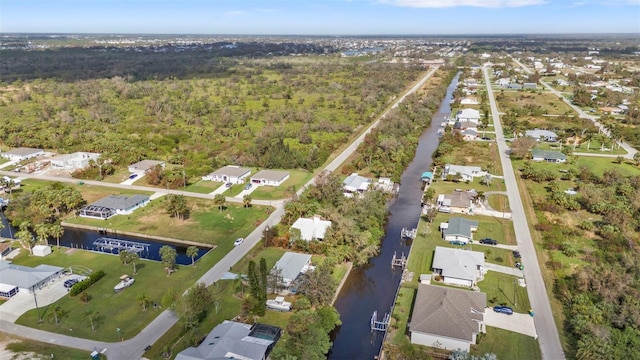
x=206, y=223
x=25, y=348
x=507, y=345
x=504, y=289
x=546, y=101
x=594, y=147
x=475, y=153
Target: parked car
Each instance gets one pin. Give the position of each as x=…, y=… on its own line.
x=248, y=186
x=133, y=176
x=227, y=184
x=503, y=309
x=516, y=254
x=238, y=241
x=457, y=242
x=488, y=241
x=69, y=283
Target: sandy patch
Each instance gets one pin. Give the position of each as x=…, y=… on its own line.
x=10, y=355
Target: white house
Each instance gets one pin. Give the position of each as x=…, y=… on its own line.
x=458, y=266
x=542, y=135
x=145, y=165
x=270, y=177
x=447, y=318
x=74, y=161
x=114, y=205
x=311, y=228
x=472, y=115
x=356, y=184
x=24, y=278
x=458, y=229
x=22, y=153
x=467, y=173
x=469, y=100
x=292, y=265
x=230, y=173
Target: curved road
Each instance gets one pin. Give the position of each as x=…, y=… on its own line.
x=134, y=347
x=548, y=339
x=630, y=150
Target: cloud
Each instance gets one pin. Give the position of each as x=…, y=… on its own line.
x=234, y=13
x=474, y=3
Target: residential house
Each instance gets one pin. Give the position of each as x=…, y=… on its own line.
x=74, y=161
x=514, y=86
x=469, y=100
x=458, y=266
x=459, y=229
x=229, y=174
x=234, y=340
x=548, y=156
x=503, y=82
x=22, y=153
x=270, y=177
x=529, y=86
x=467, y=173
x=456, y=202
x=465, y=125
x=15, y=278
x=469, y=135
x=542, y=135
x=291, y=265
x=471, y=115
x=447, y=318
x=114, y=205
x=311, y=228
x=145, y=165
x=356, y=184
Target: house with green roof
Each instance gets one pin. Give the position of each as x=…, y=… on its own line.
x=548, y=156
x=459, y=229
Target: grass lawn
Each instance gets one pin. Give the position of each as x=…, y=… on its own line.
x=44, y=350
x=204, y=187
x=549, y=102
x=507, y=345
x=500, y=290
x=498, y=202
x=297, y=178
x=206, y=224
x=112, y=310
x=594, y=148
x=90, y=193
x=120, y=175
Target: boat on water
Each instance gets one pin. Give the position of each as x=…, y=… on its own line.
x=279, y=304
x=125, y=281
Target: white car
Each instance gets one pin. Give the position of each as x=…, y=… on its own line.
x=238, y=241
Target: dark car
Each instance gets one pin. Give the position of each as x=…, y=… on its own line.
x=133, y=176
x=503, y=309
x=488, y=241
x=457, y=242
x=69, y=283
x=227, y=184
x=248, y=186
x=516, y=254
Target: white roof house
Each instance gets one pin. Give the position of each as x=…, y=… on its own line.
x=466, y=172
x=541, y=135
x=311, y=228
x=472, y=115
x=145, y=165
x=75, y=161
x=27, y=278
x=447, y=318
x=22, y=153
x=230, y=173
x=355, y=183
x=458, y=266
x=270, y=177
x=293, y=264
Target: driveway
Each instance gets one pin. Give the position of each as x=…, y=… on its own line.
x=129, y=181
x=503, y=269
x=517, y=322
x=222, y=188
x=249, y=191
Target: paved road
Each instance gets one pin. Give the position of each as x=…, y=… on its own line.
x=549, y=339
x=134, y=347
x=628, y=148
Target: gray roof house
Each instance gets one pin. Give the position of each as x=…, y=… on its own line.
x=25, y=278
x=471, y=115
x=114, y=205
x=21, y=153
x=548, y=156
x=456, y=202
x=542, y=135
x=270, y=177
x=459, y=229
x=233, y=340
x=293, y=264
x=458, y=266
x=467, y=173
x=230, y=173
x=311, y=228
x=355, y=183
x=447, y=318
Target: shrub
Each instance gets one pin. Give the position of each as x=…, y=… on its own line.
x=83, y=285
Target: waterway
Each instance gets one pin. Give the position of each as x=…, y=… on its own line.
x=83, y=239
x=372, y=287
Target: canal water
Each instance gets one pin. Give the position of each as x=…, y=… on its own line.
x=372, y=287
x=83, y=239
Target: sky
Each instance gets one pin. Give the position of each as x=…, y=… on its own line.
x=320, y=17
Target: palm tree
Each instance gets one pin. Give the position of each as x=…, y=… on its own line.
x=143, y=300
x=56, y=230
x=25, y=236
x=246, y=200
x=219, y=200
x=192, y=252
x=42, y=232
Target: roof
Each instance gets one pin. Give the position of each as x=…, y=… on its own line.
x=468, y=113
x=23, y=276
x=311, y=228
x=292, y=264
x=271, y=175
x=355, y=182
x=538, y=133
x=78, y=155
x=427, y=175
x=448, y=312
x=121, y=202
x=548, y=154
x=458, y=263
x=146, y=164
x=462, y=169
x=460, y=226
x=23, y=151
x=460, y=198
x=232, y=170
x=226, y=341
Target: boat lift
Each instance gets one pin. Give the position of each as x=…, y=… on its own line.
x=379, y=325
x=408, y=233
x=110, y=244
x=398, y=261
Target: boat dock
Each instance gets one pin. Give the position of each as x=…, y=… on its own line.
x=110, y=244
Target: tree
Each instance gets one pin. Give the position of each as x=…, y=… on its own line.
x=94, y=318
x=521, y=146
x=42, y=232
x=25, y=236
x=168, y=256
x=274, y=280
x=56, y=230
x=246, y=200
x=177, y=206
x=309, y=334
x=192, y=252
x=144, y=301
x=220, y=201
x=636, y=158
x=318, y=285
x=191, y=307
x=57, y=313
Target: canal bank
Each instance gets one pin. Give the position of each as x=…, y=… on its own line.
x=373, y=286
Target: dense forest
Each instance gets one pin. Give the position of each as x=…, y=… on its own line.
x=269, y=113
